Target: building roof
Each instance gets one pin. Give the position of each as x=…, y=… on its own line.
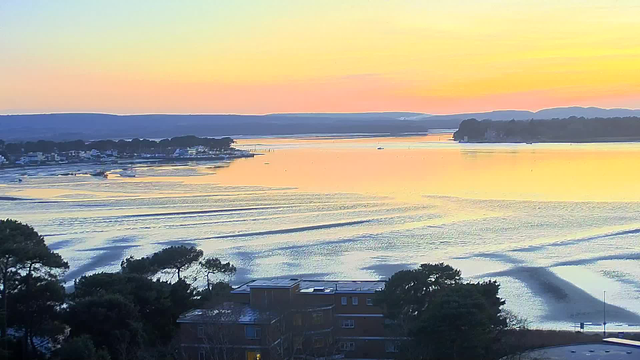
x=273, y=283
x=229, y=312
x=586, y=352
x=315, y=286
x=623, y=342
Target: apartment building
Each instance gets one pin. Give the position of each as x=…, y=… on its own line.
x=291, y=319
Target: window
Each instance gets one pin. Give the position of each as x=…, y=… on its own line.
x=344, y=300
x=347, y=346
x=348, y=324
x=297, y=319
x=354, y=300
x=391, y=346
x=317, y=318
x=297, y=342
x=369, y=302
x=252, y=332
x=202, y=355
x=200, y=331
x=318, y=342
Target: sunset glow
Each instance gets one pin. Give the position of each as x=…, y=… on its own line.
x=255, y=57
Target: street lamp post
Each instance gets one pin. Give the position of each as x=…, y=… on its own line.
x=604, y=314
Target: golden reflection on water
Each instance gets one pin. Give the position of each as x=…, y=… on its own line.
x=409, y=168
x=412, y=167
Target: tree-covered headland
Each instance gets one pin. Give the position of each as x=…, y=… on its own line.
x=571, y=129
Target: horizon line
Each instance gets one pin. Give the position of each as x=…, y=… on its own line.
x=314, y=113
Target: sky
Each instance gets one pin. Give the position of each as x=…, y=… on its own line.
x=282, y=56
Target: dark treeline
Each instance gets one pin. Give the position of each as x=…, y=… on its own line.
x=129, y=315
x=571, y=129
x=445, y=317
x=122, y=146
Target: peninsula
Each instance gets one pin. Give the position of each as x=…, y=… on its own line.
x=32, y=153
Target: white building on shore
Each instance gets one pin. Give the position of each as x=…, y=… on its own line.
x=35, y=157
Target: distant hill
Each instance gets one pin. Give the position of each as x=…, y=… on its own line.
x=351, y=116
x=106, y=126
x=546, y=114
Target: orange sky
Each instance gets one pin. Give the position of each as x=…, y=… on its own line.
x=256, y=57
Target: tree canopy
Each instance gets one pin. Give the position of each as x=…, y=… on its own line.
x=111, y=321
x=461, y=322
x=213, y=266
x=80, y=348
x=444, y=317
x=31, y=288
x=408, y=292
x=174, y=259
x=127, y=315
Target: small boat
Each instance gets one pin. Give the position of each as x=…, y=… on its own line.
x=380, y=148
x=101, y=173
x=128, y=173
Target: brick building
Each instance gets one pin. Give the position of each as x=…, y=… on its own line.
x=290, y=319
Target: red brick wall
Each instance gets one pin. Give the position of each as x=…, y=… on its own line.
x=364, y=326
x=361, y=308
x=218, y=336
x=271, y=298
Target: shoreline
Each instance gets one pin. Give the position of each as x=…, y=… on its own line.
x=134, y=161
x=567, y=141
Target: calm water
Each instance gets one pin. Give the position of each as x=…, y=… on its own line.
x=555, y=224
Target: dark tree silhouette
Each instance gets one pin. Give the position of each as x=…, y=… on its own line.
x=407, y=293
x=440, y=316
x=80, y=348
x=461, y=322
x=176, y=258
x=111, y=321
x=142, y=266
x=26, y=265
x=213, y=266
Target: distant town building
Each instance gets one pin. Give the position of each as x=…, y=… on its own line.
x=180, y=153
x=35, y=157
x=2, y=160
x=195, y=150
x=52, y=157
x=291, y=319
x=219, y=149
